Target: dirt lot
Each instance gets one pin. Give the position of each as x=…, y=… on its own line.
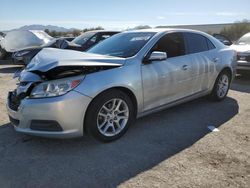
x=172, y=148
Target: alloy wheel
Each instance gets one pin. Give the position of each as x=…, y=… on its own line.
x=113, y=117
x=223, y=86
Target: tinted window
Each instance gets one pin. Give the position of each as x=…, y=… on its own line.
x=93, y=39
x=104, y=36
x=123, y=45
x=196, y=43
x=80, y=40
x=210, y=45
x=172, y=44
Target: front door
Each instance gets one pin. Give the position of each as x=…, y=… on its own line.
x=168, y=80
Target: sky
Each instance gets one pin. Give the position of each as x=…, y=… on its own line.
x=120, y=14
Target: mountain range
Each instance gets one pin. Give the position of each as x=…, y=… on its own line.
x=43, y=27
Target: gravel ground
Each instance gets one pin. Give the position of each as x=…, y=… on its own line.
x=172, y=148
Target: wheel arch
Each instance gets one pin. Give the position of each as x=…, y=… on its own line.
x=228, y=70
x=125, y=90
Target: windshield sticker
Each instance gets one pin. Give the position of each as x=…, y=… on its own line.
x=140, y=38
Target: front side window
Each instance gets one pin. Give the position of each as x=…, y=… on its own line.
x=197, y=43
x=172, y=44
x=124, y=45
x=210, y=45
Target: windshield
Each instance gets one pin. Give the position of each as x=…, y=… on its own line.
x=123, y=44
x=244, y=40
x=80, y=40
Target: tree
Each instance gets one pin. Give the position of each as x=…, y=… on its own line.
x=76, y=32
x=235, y=31
x=46, y=31
x=139, y=27
x=142, y=27
x=92, y=29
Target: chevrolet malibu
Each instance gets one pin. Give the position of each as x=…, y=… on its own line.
x=66, y=93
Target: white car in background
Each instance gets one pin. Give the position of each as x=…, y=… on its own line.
x=242, y=47
x=19, y=39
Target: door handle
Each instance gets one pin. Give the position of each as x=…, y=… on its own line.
x=184, y=67
x=215, y=60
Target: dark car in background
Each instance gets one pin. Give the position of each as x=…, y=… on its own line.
x=88, y=40
x=222, y=38
x=80, y=43
x=66, y=38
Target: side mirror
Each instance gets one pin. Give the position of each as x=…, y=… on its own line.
x=156, y=56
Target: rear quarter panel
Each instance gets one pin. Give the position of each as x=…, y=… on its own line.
x=229, y=59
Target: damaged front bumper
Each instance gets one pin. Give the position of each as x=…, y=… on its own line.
x=57, y=117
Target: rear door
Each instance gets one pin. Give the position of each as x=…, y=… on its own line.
x=203, y=56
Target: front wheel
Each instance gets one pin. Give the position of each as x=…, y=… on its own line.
x=109, y=115
x=221, y=86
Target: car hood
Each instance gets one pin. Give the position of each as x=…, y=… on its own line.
x=51, y=58
x=241, y=48
x=30, y=48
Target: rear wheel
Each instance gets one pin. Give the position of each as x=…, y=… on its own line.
x=221, y=86
x=109, y=115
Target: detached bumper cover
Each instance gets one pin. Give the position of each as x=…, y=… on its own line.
x=67, y=111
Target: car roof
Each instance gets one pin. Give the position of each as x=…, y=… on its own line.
x=102, y=31
x=163, y=30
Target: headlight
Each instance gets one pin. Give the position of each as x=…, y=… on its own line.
x=21, y=53
x=55, y=88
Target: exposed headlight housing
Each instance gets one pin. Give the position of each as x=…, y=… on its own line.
x=55, y=88
x=21, y=53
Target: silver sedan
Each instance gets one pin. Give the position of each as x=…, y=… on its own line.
x=65, y=93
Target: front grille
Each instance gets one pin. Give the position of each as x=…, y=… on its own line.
x=45, y=125
x=14, y=101
x=246, y=58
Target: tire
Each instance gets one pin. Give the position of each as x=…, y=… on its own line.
x=107, y=122
x=221, y=86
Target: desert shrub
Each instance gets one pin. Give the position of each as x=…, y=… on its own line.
x=235, y=31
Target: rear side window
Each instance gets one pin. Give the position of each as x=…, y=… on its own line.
x=210, y=45
x=197, y=43
x=172, y=44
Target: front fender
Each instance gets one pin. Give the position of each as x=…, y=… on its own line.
x=128, y=76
